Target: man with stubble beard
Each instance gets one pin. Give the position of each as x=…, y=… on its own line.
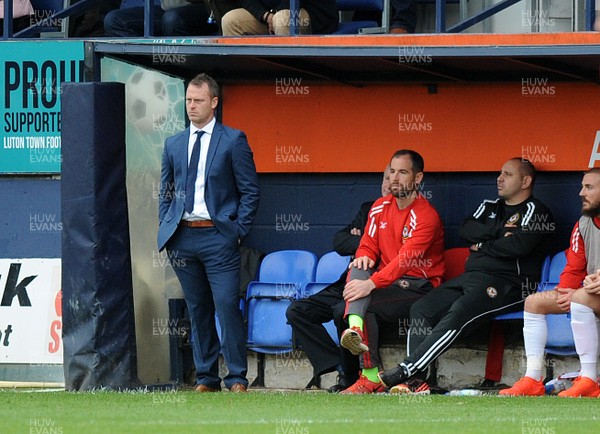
x=399, y=260
x=583, y=258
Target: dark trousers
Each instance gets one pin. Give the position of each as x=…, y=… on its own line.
x=307, y=317
x=404, y=14
x=18, y=24
x=190, y=20
x=389, y=304
x=208, y=267
x=456, y=307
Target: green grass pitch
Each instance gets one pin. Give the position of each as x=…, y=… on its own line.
x=59, y=412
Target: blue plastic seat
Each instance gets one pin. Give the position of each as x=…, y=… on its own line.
x=354, y=27
x=288, y=266
x=268, y=330
x=560, y=336
x=544, y=279
x=282, y=276
x=329, y=269
x=557, y=265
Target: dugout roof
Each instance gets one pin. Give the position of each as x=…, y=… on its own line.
x=386, y=58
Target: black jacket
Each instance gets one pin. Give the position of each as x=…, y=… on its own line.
x=518, y=256
x=346, y=243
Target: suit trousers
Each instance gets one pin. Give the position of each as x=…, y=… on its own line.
x=207, y=265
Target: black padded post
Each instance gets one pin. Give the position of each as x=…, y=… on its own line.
x=98, y=315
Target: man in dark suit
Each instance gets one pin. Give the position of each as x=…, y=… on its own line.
x=208, y=199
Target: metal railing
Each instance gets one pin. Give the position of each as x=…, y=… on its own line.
x=440, y=17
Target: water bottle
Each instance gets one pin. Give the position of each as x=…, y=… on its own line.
x=466, y=392
x=569, y=376
x=553, y=387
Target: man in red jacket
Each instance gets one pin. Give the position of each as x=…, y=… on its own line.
x=400, y=258
x=583, y=259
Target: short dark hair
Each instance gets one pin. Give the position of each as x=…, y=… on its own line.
x=593, y=170
x=418, y=165
x=526, y=168
x=200, y=79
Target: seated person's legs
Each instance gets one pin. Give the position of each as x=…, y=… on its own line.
x=470, y=305
x=350, y=362
x=191, y=20
x=353, y=338
x=281, y=22
x=403, y=16
x=535, y=332
x=306, y=318
x=239, y=22
x=385, y=304
x=129, y=22
x=585, y=308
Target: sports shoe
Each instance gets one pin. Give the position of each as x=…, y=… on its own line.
x=582, y=387
x=391, y=377
x=414, y=386
x=363, y=386
x=526, y=386
x=353, y=340
x=343, y=382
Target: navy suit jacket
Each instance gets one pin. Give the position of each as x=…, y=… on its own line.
x=231, y=184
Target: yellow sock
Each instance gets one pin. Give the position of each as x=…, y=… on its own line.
x=355, y=321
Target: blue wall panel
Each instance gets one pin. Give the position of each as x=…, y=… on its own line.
x=30, y=222
x=303, y=211
x=297, y=211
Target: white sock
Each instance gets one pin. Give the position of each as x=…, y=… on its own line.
x=585, y=333
x=535, y=332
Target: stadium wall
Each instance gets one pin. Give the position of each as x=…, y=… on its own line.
x=297, y=211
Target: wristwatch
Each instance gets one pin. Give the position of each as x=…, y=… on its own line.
x=265, y=17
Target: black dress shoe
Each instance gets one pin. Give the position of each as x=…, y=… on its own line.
x=342, y=384
x=337, y=388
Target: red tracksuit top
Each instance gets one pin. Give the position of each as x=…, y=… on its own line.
x=408, y=242
x=576, y=268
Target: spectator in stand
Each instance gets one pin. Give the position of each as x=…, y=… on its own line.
x=403, y=16
x=171, y=18
x=308, y=315
x=583, y=257
x=264, y=17
x=399, y=260
x=508, y=247
x=22, y=11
